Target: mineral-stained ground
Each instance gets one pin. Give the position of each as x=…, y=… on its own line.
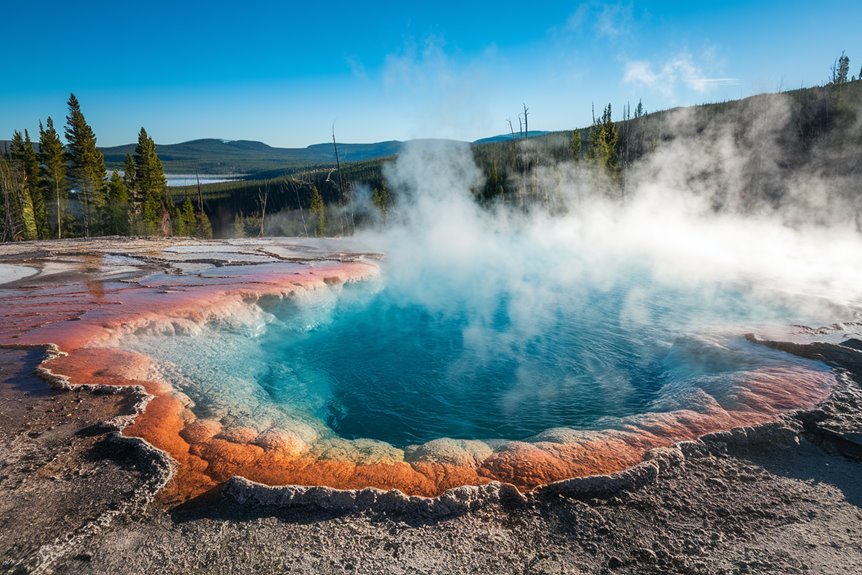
x=76, y=497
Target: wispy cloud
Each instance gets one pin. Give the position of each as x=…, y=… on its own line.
x=668, y=76
x=448, y=91
x=609, y=21
x=357, y=69
x=576, y=19
x=614, y=20
x=418, y=66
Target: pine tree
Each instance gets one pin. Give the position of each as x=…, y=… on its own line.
x=319, y=210
x=86, y=163
x=603, y=144
x=491, y=191
x=840, y=70
x=130, y=179
x=52, y=156
x=151, y=186
x=204, y=227
x=382, y=200
x=31, y=169
x=575, y=145
x=117, y=212
x=188, y=219
x=26, y=212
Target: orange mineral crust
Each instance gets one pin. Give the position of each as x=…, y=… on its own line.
x=87, y=323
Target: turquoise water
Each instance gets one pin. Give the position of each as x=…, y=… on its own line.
x=386, y=361
x=369, y=363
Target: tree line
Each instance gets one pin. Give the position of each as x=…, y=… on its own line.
x=63, y=190
x=56, y=190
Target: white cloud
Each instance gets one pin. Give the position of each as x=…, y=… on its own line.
x=667, y=77
x=606, y=20
x=614, y=20
x=577, y=18
x=418, y=68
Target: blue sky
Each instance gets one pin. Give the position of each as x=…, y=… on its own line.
x=283, y=72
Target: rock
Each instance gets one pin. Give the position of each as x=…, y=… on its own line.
x=647, y=555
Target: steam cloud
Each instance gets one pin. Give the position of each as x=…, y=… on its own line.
x=689, y=220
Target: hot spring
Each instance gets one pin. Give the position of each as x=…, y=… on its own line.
x=367, y=361
x=505, y=344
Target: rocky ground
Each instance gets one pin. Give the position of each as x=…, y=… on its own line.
x=785, y=498
x=74, y=499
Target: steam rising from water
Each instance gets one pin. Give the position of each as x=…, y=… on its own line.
x=804, y=248
x=630, y=296
x=649, y=295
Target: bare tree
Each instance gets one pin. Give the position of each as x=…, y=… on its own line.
x=299, y=203
x=340, y=182
x=11, y=224
x=262, y=196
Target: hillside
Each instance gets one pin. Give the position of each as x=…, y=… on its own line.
x=214, y=156
x=797, y=152
x=781, y=139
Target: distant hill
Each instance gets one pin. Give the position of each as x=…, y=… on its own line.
x=213, y=156
x=507, y=137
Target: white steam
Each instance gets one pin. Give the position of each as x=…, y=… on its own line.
x=444, y=251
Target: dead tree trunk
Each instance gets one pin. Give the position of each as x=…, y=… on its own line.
x=299, y=203
x=340, y=180
x=261, y=198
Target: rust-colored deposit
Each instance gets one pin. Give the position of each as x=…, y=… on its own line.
x=85, y=316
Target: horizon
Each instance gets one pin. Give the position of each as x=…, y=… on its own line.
x=378, y=73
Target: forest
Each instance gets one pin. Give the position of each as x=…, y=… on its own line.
x=59, y=187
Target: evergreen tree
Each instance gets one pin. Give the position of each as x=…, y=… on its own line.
x=187, y=222
x=204, y=228
x=603, y=144
x=575, y=145
x=382, y=200
x=152, y=187
x=319, y=211
x=86, y=163
x=31, y=170
x=840, y=70
x=492, y=189
x=52, y=156
x=117, y=212
x=24, y=204
x=130, y=179
x=639, y=110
